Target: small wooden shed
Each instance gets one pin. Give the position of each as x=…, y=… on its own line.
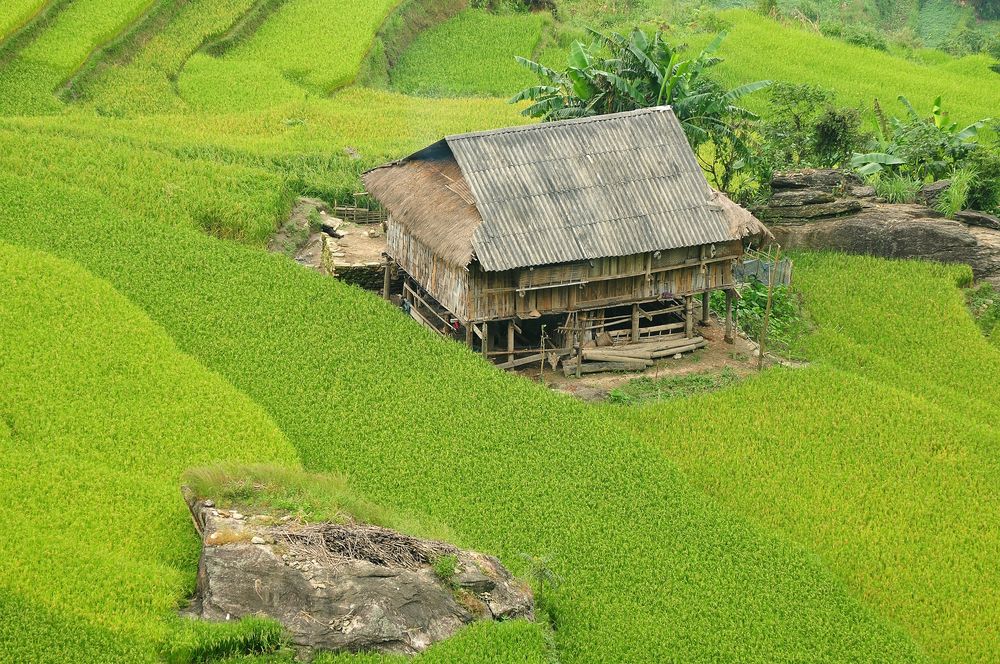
x=602, y=229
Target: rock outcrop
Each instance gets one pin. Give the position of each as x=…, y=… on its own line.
x=346, y=587
x=834, y=210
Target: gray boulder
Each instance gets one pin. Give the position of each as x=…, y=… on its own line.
x=346, y=587
x=980, y=219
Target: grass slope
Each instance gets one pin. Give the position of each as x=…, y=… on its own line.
x=883, y=454
x=486, y=66
x=306, y=47
x=16, y=13
x=421, y=424
x=100, y=413
x=144, y=82
x=760, y=48
x=27, y=83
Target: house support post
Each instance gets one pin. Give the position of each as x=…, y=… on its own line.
x=470, y=333
x=688, y=316
x=635, y=323
x=729, y=317
x=510, y=340
x=486, y=340
x=386, y=278
x=705, y=307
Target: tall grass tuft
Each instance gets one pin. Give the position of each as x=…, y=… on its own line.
x=955, y=197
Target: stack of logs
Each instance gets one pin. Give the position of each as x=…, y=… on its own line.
x=631, y=357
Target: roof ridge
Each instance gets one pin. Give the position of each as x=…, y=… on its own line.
x=549, y=125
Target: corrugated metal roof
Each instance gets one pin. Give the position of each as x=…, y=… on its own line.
x=609, y=185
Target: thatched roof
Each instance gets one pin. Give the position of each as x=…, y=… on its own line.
x=611, y=185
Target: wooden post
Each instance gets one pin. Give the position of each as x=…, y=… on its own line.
x=635, y=323
x=688, y=316
x=385, y=279
x=486, y=340
x=767, y=311
x=705, y=307
x=729, y=316
x=470, y=333
x=510, y=340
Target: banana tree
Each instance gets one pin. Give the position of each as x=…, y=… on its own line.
x=620, y=73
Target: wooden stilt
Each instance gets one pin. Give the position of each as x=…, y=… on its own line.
x=729, y=317
x=510, y=341
x=688, y=316
x=635, y=323
x=486, y=339
x=470, y=333
x=385, y=278
x=705, y=307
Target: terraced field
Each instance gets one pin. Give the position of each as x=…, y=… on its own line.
x=839, y=512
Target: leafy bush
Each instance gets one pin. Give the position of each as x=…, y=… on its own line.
x=984, y=193
x=786, y=325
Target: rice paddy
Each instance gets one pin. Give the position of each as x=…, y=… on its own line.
x=842, y=511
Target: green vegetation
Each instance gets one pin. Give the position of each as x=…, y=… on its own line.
x=308, y=496
x=101, y=414
x=16, y=13
x=859, y=452
x=844, y=510
x=305, y=48
x=984, y=303
x=140, y=76
x=28, y=82
x=193, y=641
x=487, y=43
x=658, y=533
x=641, y=390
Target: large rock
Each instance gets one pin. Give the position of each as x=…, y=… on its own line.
x=346, y=587
x=825, y=179
x=830, y=209
x=900, y=231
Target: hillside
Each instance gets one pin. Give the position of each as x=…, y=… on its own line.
x=841, y=511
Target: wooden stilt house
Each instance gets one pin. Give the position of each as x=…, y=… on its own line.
x=553, y=239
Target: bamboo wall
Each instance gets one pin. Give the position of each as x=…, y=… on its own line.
x=472, y=294
x=602, y=282
x=448, y=284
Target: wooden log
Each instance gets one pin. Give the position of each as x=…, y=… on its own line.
x=705, y=307
x=635, y=322
x=667, y=344
x=599, y=367
x=614, y=355
x=675, y=351
x=520, y=362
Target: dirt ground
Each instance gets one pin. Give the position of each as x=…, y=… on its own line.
x=351, y=244
x=714, y=357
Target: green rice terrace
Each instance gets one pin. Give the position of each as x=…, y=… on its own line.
x=838, y=502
